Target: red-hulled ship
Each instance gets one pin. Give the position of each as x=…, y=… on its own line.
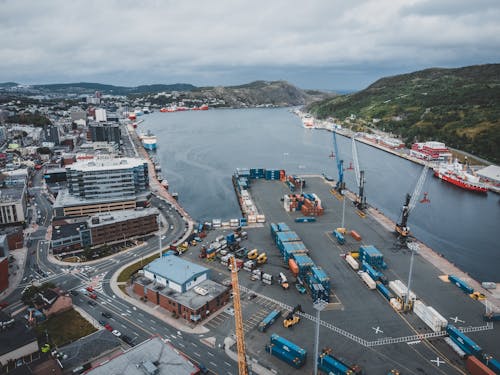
x=455, y=174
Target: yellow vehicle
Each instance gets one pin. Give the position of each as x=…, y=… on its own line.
x=262, y=258
x=194, y=243
x=45, y=348
x=253, y=254
x=291, y=322
x=341, y=230
x=182, y=248
x=477, y=296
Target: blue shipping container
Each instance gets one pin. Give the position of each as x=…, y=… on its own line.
x=494, y=365
x=305, y=220
x=269, y=320
x=288, y=346
x=283, y=227
x=385, y=292
x=339, y=236
x=285, y=356
x=461, y=284
x=274, y=230
x=331, y=365
x=243, y=222
x=304, y=262
x=463, y=341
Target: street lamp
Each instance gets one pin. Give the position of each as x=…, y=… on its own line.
x=319, y=305
x=413, y=246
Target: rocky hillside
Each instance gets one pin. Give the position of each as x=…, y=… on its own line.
x=460, y=107
x=259, y=93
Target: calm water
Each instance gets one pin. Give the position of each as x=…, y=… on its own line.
x=200, y=150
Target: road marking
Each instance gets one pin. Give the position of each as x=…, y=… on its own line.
x=140, y=321
x=152, y=321
x=213, y=364
x=227, y=364
x=437, y=361
x=210, y=354
x=196, y=354
x=181, y=344
x=135, y=333
x=194, y=344
x=153, y=328
x=377, y=330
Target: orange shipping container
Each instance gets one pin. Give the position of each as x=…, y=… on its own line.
x=293, y=267
x=355, y=235
x=476, y=367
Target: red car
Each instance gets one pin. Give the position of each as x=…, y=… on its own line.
x=3, y=305
x=93, y=295
x=90, y=289
x=108, y=327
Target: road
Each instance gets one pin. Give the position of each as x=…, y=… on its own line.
x=125, y=317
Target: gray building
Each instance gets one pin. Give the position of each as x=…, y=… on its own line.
x=120, y=178
x=105, y=132
x=52, y=134
x=13, y=205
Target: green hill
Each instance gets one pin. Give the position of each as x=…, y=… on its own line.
x=460, y=107
x=89, y=87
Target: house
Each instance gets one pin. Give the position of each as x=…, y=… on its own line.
x=53, y=301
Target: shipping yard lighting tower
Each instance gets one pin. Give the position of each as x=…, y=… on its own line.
x=319, y=305
x=413, y=246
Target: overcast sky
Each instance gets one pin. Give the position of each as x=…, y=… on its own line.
x=329, y=44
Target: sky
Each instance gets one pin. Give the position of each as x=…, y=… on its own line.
x=323, y=44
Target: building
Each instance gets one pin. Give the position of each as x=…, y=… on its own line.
x=100, y=115
x=105, y=132
x=491, y=173
x=54, y=175
x=72, y=235
x=181, y=287
x=13, y=205
x=432, y=151
x=4, y=263
x=17, y=341
x=53, y=301
x=107, y=178
x=153, y=356
x=78, y=114
x=52, y=134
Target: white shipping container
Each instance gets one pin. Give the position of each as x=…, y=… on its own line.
x=368, y=280
x=261, y=218
x=398, y=287
x=438, y=317
x=252, y=218
x=352, y=262
x=455, y=347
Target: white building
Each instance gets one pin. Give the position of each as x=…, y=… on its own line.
x=100, y=115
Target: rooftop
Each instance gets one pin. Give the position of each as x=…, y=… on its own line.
x=106, y=218
x=68, y=227
x=153, y=354
x=106, y=164
x=173, y=268
x=491, y=172
x=65, y=199
x=11, y=194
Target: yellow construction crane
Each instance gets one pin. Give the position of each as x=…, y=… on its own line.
x=238, y=320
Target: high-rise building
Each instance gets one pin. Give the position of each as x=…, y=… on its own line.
x=52, y=134
x=120, y=178
x=104, y=132
x=100, y=115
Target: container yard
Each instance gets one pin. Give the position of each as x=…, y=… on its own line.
x=372, y=320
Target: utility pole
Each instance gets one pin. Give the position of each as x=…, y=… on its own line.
x=319, y=305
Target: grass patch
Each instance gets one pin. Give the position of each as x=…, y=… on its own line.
x=123, y=288
x=133, y=268
x=65, y=328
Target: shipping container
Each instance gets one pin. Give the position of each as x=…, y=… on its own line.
x=355, y=235
x=455, y=347
x=463, y=341
x=285, y=356
x=283, y=227
x=352, y=262
x=371, y=255
x=384, y=291
x=492, y=364
x=269, y=320
x=304, y=263
x=290, y=248
x=288, y=346
x=339, y=236
x=461, y=284
x=274, y=230
x=305, y=220
x=396, y=305
x=331, y=365
x=293, y=267
x=475, y=367
x=368, y=280
x=400, y=290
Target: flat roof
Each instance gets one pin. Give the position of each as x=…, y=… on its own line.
x=11, y=194
x=65, y=199
x=154, y=353
x=491, y=172
x=106, y=164
x=174, y=268
x=68, y=227
x=106, y=218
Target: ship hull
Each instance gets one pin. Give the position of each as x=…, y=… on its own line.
x=460, y=183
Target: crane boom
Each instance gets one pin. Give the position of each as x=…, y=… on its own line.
x=418, y=187
x=238, y=321
x=360, y=178
x=340, y=186
x=355, y=159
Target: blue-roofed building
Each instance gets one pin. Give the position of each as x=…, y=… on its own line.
x=176, y=273
x=181, y=287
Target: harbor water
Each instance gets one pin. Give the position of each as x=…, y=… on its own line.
x=200, y=150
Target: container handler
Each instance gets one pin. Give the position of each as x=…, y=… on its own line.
x=283, y=281
x=291, y=319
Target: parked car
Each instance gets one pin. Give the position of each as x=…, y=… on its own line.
x=127, y=340
x=106, y=314
x=102, y=322
x=108, y=327
x=92, y=295
x=116, y=333
x=74, y=292
x=203, y=368
x=92, y=303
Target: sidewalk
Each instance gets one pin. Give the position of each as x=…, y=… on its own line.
x=16, y=272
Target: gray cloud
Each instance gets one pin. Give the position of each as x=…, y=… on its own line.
x=224, y=42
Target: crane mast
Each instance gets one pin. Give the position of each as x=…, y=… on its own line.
x=340, y=186
x=238, y=321
x=360, y=178
x=402, y=228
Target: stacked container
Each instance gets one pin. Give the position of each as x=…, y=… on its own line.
x=429, y=316
x=371, y=255
x=461, y=284
x=400, y=290
x=284, y=237
x=367, y=280
x=304, y=263
x=287, y=351
x=291, y=248
x=272, y=174
x=267, y=278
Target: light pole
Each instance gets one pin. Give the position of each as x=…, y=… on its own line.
x=301, y=178
x=319, y=306
x=343, y=211
x=413, y=246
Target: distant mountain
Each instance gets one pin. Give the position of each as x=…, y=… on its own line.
x=8, y=84
x=90, y=88
x=276, y=93
x=460, y=107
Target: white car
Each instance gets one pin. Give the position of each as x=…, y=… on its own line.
x=116, y=333
x=229, y=311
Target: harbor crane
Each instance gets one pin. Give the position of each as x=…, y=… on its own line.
x=238, y=320
x=402, y=228
x=360, y=202
x=340, y=186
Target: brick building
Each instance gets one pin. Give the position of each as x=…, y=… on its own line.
x=181, y=287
